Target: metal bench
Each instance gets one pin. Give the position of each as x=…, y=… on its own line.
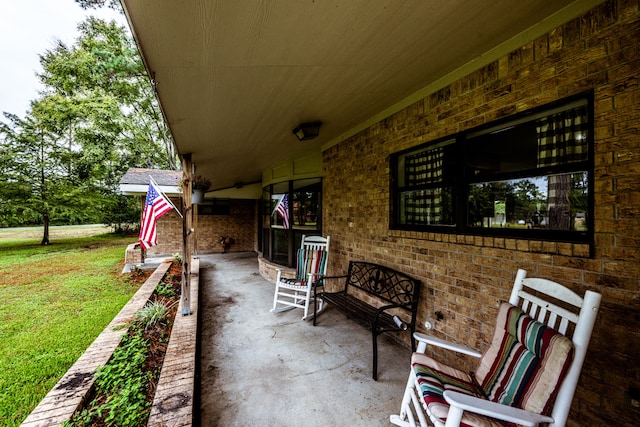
x=377, y=297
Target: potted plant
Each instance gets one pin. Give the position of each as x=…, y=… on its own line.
x=226, y=242
x=199, y=185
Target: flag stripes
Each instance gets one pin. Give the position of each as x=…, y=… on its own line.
x=282, y=209
x=156, y=205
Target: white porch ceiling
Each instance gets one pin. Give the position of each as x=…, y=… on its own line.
x=234, y=77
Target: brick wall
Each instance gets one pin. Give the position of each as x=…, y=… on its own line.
x=241, y=225
x=465, y=276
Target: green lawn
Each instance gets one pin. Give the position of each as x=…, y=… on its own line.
x=54, y=301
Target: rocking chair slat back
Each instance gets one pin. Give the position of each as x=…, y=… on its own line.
x=311, y=264
x=554, y=345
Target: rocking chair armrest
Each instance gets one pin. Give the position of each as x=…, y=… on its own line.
x=424, y=339
x=488, y=408
x=282, y=274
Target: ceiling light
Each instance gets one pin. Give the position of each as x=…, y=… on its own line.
x=306, y=131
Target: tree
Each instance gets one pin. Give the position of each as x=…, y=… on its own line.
x=105, y=76
x=96, y=117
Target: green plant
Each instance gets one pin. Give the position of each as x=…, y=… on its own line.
x=177, y=258
x=124, y=381
x=165, y=289
x=198, y=182
x=150, y=314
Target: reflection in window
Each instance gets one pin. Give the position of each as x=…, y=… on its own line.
x=555, y=202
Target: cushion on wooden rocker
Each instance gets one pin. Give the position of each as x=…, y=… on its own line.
x=310, y=261
x=523, y=367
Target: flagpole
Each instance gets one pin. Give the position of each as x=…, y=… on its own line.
x=165, y=196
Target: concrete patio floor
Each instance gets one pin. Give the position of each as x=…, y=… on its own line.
x=264, y=369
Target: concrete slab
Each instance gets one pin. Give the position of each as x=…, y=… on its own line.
x=264, y=369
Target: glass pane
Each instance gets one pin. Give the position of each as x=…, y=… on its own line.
x=562, y=137
x=266, y=243
x=512, y=149
x=554, y=202
x=280, y=211
x=550, y=138
x=432, y=206
x=280, y=247
x=215, y=207
x=306, y=205
x=430, y=165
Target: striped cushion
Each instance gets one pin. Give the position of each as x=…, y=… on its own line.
x=526, y=362
x=310, y=261
x=433, y=379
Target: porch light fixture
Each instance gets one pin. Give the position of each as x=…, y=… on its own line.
x=306, y=131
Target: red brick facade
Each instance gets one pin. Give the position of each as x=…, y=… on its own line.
x=465, y=276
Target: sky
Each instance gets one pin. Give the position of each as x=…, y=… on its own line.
x=28, y=28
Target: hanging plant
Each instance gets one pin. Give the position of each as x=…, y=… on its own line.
x=198, y=182
x=199, y=185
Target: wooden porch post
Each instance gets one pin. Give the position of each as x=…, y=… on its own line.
x=187, y=235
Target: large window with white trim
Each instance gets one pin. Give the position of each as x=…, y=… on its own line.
x=527, y=176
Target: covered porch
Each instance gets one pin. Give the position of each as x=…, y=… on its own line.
x=260, y=368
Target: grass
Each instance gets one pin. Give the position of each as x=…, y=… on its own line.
x=54, y=301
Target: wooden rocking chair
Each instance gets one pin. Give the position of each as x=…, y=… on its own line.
x=526, y=377
x=311, y=263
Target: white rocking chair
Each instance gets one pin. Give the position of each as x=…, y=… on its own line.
x=311, y=264
x=527, y=376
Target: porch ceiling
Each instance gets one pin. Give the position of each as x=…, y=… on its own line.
x=235, y=77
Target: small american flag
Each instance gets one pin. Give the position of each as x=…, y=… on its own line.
x=155, y=206
x=282, y=208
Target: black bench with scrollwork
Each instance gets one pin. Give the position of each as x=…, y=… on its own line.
x=379, y=298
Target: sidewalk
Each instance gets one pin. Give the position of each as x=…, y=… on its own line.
x=264, y=369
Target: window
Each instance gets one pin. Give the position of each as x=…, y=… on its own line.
x=527, y=176
x=426, y=184
x=299, y=203
x=214, y=207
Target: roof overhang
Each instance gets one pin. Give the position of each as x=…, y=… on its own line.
x=235, y=77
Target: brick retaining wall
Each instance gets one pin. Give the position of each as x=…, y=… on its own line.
x=173, y=404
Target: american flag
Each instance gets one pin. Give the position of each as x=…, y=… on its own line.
x=154, y=207
x=282, y=208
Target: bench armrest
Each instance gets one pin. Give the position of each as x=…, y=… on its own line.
x=384, y=308
x=423, y=340
x=331, y=277
x=461, y=402
x=320, y=282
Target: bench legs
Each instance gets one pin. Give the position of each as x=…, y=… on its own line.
x=375, y=356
